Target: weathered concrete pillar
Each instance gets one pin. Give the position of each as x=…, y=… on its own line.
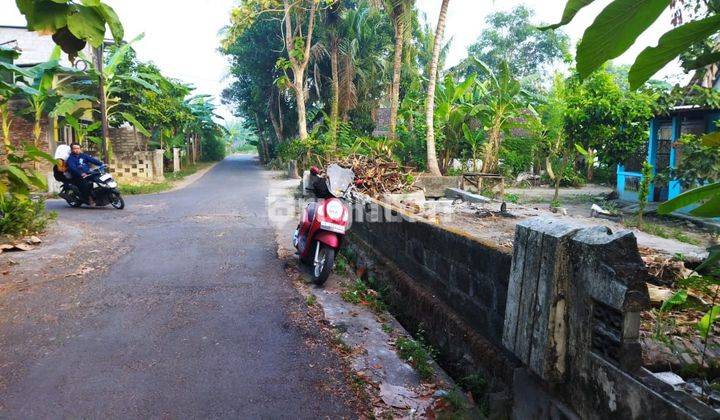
x=535, y=314
x=572, y=290
x=573, y=318
x=158, y=165
x=176, y=159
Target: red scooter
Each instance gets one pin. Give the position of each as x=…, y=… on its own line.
x=324, y=223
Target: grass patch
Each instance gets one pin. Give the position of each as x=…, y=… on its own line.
x=187, y=171
x=341, y=264
x=130, y=189
x=512, y=198
x=311, y=300
x=418, y=353
x=360, y=294
x=663, y=231
x=170, y=177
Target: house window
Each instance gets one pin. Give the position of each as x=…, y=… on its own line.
x=690, y=125
x=632, y=183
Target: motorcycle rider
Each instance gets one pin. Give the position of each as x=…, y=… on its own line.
x=78, y=164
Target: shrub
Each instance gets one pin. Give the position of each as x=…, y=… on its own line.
x=20, y=217
x=214, y=149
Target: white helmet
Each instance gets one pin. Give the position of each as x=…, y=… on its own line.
x=62, y=152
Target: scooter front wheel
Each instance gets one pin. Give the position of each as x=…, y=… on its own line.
x=117, y=201
x=323, y=263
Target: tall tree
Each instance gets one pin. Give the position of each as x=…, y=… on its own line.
x=401, y=12
x=511, y=37
x=432, y=163
x=298, y=42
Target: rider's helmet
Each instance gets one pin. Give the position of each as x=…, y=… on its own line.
x=314, y=170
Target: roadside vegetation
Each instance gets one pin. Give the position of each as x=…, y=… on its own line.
x=135, y=93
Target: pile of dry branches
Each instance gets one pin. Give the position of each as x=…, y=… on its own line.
x=380, y=175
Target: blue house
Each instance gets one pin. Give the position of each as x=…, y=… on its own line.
x=662, y=151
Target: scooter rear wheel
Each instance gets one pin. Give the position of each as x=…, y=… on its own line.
x=72, y=198
x=323, y=264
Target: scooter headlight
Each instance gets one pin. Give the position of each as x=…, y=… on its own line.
x=334, y=209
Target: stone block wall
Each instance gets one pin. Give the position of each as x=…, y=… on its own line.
x=469, y=275
x=125, y=141
x=138, y=167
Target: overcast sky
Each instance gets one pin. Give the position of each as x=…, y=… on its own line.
x=182, y=35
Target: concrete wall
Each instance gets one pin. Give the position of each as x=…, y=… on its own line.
x=554, y=326
x=138, y=167
x=469, y=275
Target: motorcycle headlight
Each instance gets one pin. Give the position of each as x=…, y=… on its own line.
x=334, y=209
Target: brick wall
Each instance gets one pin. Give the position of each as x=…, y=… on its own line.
x=124, y=141
x=21, y=131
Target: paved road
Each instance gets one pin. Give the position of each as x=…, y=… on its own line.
x=193, y=321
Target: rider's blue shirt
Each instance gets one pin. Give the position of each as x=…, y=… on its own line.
x=80, y=164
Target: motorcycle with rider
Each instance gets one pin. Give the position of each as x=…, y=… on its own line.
x=82, y=184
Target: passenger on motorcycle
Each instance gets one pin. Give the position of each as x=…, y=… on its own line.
x=79, y=166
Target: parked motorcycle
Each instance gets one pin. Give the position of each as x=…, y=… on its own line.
x=325, y=223
x=104, y=191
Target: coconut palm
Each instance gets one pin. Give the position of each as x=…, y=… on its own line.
x=432, y=163
x=401, y=13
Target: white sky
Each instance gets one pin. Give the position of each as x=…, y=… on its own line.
x=182, y=35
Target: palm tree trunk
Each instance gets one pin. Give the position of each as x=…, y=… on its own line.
x=432, y=162
x=397, y=68
x=335, y=107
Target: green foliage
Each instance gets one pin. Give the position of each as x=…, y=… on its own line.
x=72, y=23
x=618, y=26
x=676, y=301
x=418, y=353
x=214, y=149
x=601, y=116
x=644, y=189
x=360, y=293
x=699, y=164
x=512, y=37
x=18, y=176
x=21, y=217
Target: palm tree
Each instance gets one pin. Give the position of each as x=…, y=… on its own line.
x=432, y=163
x=401, y=12
x=363, y=49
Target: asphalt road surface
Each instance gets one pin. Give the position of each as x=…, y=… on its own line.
x=193, y=320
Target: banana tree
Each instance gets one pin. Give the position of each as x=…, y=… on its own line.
x=43, y=86
x=113, y=78
x=8, y=89
x=454, y=105
x=72, y=23
x=503, y=102
x=590, y=156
